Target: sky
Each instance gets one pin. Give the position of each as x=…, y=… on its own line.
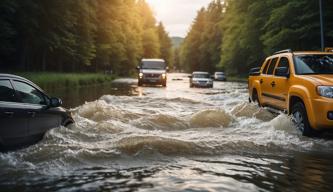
x=177, y=15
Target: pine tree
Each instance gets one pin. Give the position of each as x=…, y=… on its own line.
x=165, y=45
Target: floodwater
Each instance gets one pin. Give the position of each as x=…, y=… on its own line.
x=170, y=139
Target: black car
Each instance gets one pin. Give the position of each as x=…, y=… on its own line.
x=27, y=113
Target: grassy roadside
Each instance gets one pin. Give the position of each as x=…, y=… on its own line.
x=48, y=80
x=242, y=79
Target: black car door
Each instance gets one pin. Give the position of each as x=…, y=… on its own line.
x=13, y=117
x=42, y=118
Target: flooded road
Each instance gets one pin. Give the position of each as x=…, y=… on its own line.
x=171, y=139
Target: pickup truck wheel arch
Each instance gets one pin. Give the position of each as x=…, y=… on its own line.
x=300, y=118
x=255, y=97
x=292, y=101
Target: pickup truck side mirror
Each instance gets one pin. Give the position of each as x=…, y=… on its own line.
x=138, y=67
x=282, y=72
x=254, y=71
x=55, y=102
x=167, y=69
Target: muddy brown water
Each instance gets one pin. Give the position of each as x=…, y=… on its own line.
x=169, y=139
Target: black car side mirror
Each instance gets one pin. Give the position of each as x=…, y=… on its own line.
x=190, y=76
x=282, y=72
x=55, y=102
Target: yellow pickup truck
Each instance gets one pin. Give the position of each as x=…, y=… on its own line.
x=299, y=83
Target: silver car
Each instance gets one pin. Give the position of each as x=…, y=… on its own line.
x=220, y=76
x=201, y=79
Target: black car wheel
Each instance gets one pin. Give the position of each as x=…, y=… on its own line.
x=68, y=122
x=300, y=119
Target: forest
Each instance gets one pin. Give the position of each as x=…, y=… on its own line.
x=235, y=35
x=79, y=35
x=113, y=35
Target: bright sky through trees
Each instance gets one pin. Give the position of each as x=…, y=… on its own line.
x=177, y=15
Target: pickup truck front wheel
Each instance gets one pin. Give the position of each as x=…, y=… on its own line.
x=300, y=119
x=255, y=97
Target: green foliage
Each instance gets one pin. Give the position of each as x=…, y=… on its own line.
x=78, y=35
x=201, y=50
x=238, y=34
x=191, y=56
x=7, y=30
x=165, y=44
x=151, y=45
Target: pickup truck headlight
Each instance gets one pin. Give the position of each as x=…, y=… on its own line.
x=140, y=75
x=163, y=75
x=325, y=91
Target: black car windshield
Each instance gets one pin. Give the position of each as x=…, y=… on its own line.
x=314, y=64
x=153, y=65
x=201, y=76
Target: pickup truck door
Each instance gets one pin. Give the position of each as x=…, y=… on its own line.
x=281, y=86
x=266, y=80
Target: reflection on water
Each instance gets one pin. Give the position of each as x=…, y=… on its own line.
x=73, y=97
x=170, y=139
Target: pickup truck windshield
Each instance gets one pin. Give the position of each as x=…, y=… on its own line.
x=153, y=65
x=314, y=64
x=201, y=76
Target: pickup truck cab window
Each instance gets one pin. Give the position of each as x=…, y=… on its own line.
x=29, y=94
x=272, y=66
x=7, y=92
x=284, y=62
x=264, y=71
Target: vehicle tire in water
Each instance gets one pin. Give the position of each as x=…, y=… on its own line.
x=300, y=118
x=255, y=97
x=139, y=83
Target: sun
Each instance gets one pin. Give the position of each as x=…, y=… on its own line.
x=158, y=6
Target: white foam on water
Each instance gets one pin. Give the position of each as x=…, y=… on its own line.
x=116, y=127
